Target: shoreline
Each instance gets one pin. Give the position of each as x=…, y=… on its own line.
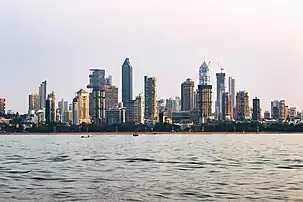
x=156, y=133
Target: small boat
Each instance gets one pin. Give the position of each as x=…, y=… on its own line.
x=85, y=136
x=135, y=134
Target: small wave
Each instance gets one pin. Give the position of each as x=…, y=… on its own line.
x=92, y=159
x=68, y=180
x=59, y=158
x=161, y=196
x=198, y=195
x=290, y=167
x=133, y=200
x=293, y=160
x=62, y=195
x=46, y=179
x=99, y=179
x=18, y=171
x=131, y=160
x=297, y=166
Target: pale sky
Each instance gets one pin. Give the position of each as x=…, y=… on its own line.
x=258, y=42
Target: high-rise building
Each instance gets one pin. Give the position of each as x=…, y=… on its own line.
x=226, y=106
x=232, y=93
x=139, y=103
x=204, y=78
x=34, y=102
x=242, y=106
x=62, y=108
x=220, y=89
x=60, y=105
x=68, y=115
x=282, y=110
x=43, y=94
x=275, y=110
x=111, y=97
x=127, y=81
x=292, y=113
x=286, y=113
x=256, y=115
x=2, y=106
x=267, y=115
x=130, y=111
x=48, y=111
x=150, y=99
x=172, y=105
x=99, y=106
x=81, y=108
x=50, y=108
x=187, y=95
x=97, y=84
x=52, y=95
x=204, y=102
x=115, y=116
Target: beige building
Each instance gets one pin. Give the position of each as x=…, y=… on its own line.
x=81, y=108
x=139, y=103
x=34, y=102
x=187, y=95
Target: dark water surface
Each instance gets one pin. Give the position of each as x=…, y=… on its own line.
x=152, y=168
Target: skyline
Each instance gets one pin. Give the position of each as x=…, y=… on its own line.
x=59, y=43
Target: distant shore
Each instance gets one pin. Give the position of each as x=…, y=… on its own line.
x=153, y=133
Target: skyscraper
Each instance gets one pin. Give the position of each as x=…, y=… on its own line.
x=111, y=97
x=97, y=84
x=150, y=98
x=204, y=78
x=34, y=102
x=139, y=103
x=62, y=108
x=2, y=106
x=187, y=95
x=172, y=105
x=256, y=115
x=242, y=106
x=52, y=95
x=282, y=110
x=220, y=89
x=275, y=111
x=204, y=93
x=99, y=106
x=226, y=106
x=232, y=93
x=43, y=94
x=204, y=102
x=81, y=107
x=50, y=108
x=127, y=81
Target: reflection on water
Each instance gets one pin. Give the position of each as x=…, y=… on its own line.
x=152, y=168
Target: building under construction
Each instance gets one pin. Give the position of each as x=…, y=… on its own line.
x=97, y=84
x=204, y=93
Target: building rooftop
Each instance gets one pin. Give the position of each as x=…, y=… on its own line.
x=81, y=91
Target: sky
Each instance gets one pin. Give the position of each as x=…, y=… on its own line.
x=258, y=42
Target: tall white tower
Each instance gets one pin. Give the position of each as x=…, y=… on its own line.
x=204, y=78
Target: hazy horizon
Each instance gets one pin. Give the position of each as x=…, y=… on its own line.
x=259, y=43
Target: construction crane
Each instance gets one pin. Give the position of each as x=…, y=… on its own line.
x=221, y=67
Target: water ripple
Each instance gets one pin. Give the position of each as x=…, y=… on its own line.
x=152, y=168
